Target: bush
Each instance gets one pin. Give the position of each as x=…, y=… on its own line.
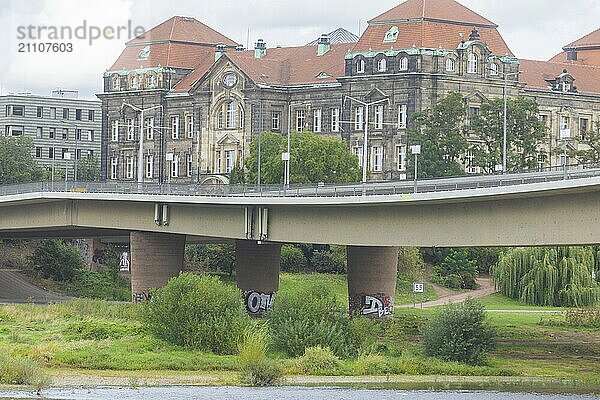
x=262, y=373
x=256, y=370
x=103, y=284
x=459, y=332
x=22, y=371
x=585, y=317
x=410, y=263
x=328, y=262
x=210, y=257
x=485, y=258
x=456, y=270
x=310, y=316
x=292, y=259
x=198, y=312
x=57, y=260
x=93, y=330
x=317, y=360
x=371, y=364
x=364, y=333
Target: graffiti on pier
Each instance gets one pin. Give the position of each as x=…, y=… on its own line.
x=124, y=262
x=141, y=297
x=257, y=302
x=372, y=305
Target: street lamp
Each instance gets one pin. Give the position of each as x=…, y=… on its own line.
x=286, y=157
x=140, y=172
x=504, y=129
x=366, y=134
x=76, y=148
x=565, y=135
x=415, y=150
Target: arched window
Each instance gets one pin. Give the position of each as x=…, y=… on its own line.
x=472, y=63
x=150, y=80
x=382, y=65
x=450, y=65
x=360, y=66
x=404, y=64
x=116, y=82
x=494, y=69
x=134, y=82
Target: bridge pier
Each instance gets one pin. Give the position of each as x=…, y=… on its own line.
x=155, y=258
x=372, y=274
x=257, y=274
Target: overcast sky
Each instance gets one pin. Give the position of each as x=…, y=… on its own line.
x=535, y=29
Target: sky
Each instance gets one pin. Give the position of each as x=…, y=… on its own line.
x=533, y=29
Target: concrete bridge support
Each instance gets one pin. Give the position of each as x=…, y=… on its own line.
x=372, y=273
x=257, y=273
x=155, y=258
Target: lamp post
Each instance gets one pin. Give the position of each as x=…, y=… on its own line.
x=140, y=171
x=504, y=125
x=286, y=157
x=67, y=157
x=415, y=150
x=76, y=149
x=366, y=130
x=565, y=135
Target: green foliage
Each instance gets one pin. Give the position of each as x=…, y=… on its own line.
x=456, y=270
x=292, y=259
x=525, y=131
x=459, y=332
x=583, y=317
x=103, y=284
x=317, y=360
x=96, y=330
x=198, y=312
x=484, y=257
x=17, y=164
x=211, y=257
x=434, y=255
x=57, y=260
x=549, y=276
x=88, y=169
x=22, y=371
x=313, y=159
x=256, y=369
x=329, y=262
x=237, y=176
x=263, y=373
x=364, y=333
x=310, y=316
x=410, y=263
x=591, y=139
x=371, y=364
x=439, y=131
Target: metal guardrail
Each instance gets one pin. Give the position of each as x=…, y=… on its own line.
x=320, y=190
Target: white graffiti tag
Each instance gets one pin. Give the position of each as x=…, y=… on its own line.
x=373, y=305
x=258, y=302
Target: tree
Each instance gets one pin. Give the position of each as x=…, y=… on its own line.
x=313, y=159
x=439, y=131
x=17, y=164
x=592, y=140
x=88, y=169
x=524, y=133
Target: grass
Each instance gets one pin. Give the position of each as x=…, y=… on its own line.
x=500, y=302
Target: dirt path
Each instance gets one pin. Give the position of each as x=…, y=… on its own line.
x=14, y=288
x=486, y=287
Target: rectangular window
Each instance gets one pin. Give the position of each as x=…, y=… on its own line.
x=469, y=162
x=52, y=112
x=544, y=119
x=188, y=163
x=38, y=152
x=78, y=154
x=379, y=117
x=175, y=127
x=231, y=115
x=14, y=130
x=317, y=119
x=275, y=121
x=150, y=166
x=114, y=136
x=541, y=161
x=377, y=159
x=40, y=112
x=78, y=114
x=130, y=129
x=90, y=137
x=16, y=111
x=65, y=113
x=65, y=133
x=359, y=114
x=218, y=162
x=402, y=116
x=189, y=125
x=358, y=152
x=584, y=127
x=335, y=120
x=114, y=168
x=39, y=132
x=78, y=134
x=64, y=153
x=52, y=133
x=90, y=154
x=150, y=128
x=565, y=127
x=129, y=167
x=229, y=160
x=91, y=115
x=50, y=152
x=401, y=158
x=175, y=166
x=300, y=118
x=220, y=120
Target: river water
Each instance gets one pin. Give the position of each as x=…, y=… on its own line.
x=279, y=393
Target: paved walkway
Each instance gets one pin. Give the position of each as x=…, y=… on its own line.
x=14, y=288
x=486, y=287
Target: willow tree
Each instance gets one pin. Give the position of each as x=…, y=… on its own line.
x=549, y=276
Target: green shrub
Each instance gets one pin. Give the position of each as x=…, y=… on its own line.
x=459, y=332
x=199, y=312
x=57, y=260
x=485, y=257
x=371, y=364
x=328, y=262
x=364, y=333
x=317, y=360
x=262, y=373
x=103, y=284
x=310, y=316
x=583, y=317
x=410, y=263
x=94, y=330
x=292, y=259
x=456, y=270
x=210, y=257
x=22, y=371
x=253, y=345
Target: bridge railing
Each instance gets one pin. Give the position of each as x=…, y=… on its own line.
x=319, y=190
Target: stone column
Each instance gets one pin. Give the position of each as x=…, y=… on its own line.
x=257, y=274
x=155, y=258
x=372, y=273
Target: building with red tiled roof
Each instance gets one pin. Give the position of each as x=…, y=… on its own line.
x=206, y=97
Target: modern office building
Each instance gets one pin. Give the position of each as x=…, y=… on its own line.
x=204, y=97
x=62, y=126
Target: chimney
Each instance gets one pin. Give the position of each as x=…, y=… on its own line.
x=323, y=44
x=571, y=55
x=220, y=50
x=260, y=49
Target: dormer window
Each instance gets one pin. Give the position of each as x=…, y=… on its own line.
x=391, y=35
x=472, y=63
x=116, y=82
x=566, y=87
x=404, y=64
x=360, y=66
x=450, y=65
x=134, y=82
x=150, y=80
x=382, y=65
x=494, y=69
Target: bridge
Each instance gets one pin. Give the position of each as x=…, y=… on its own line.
x=531, y=209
